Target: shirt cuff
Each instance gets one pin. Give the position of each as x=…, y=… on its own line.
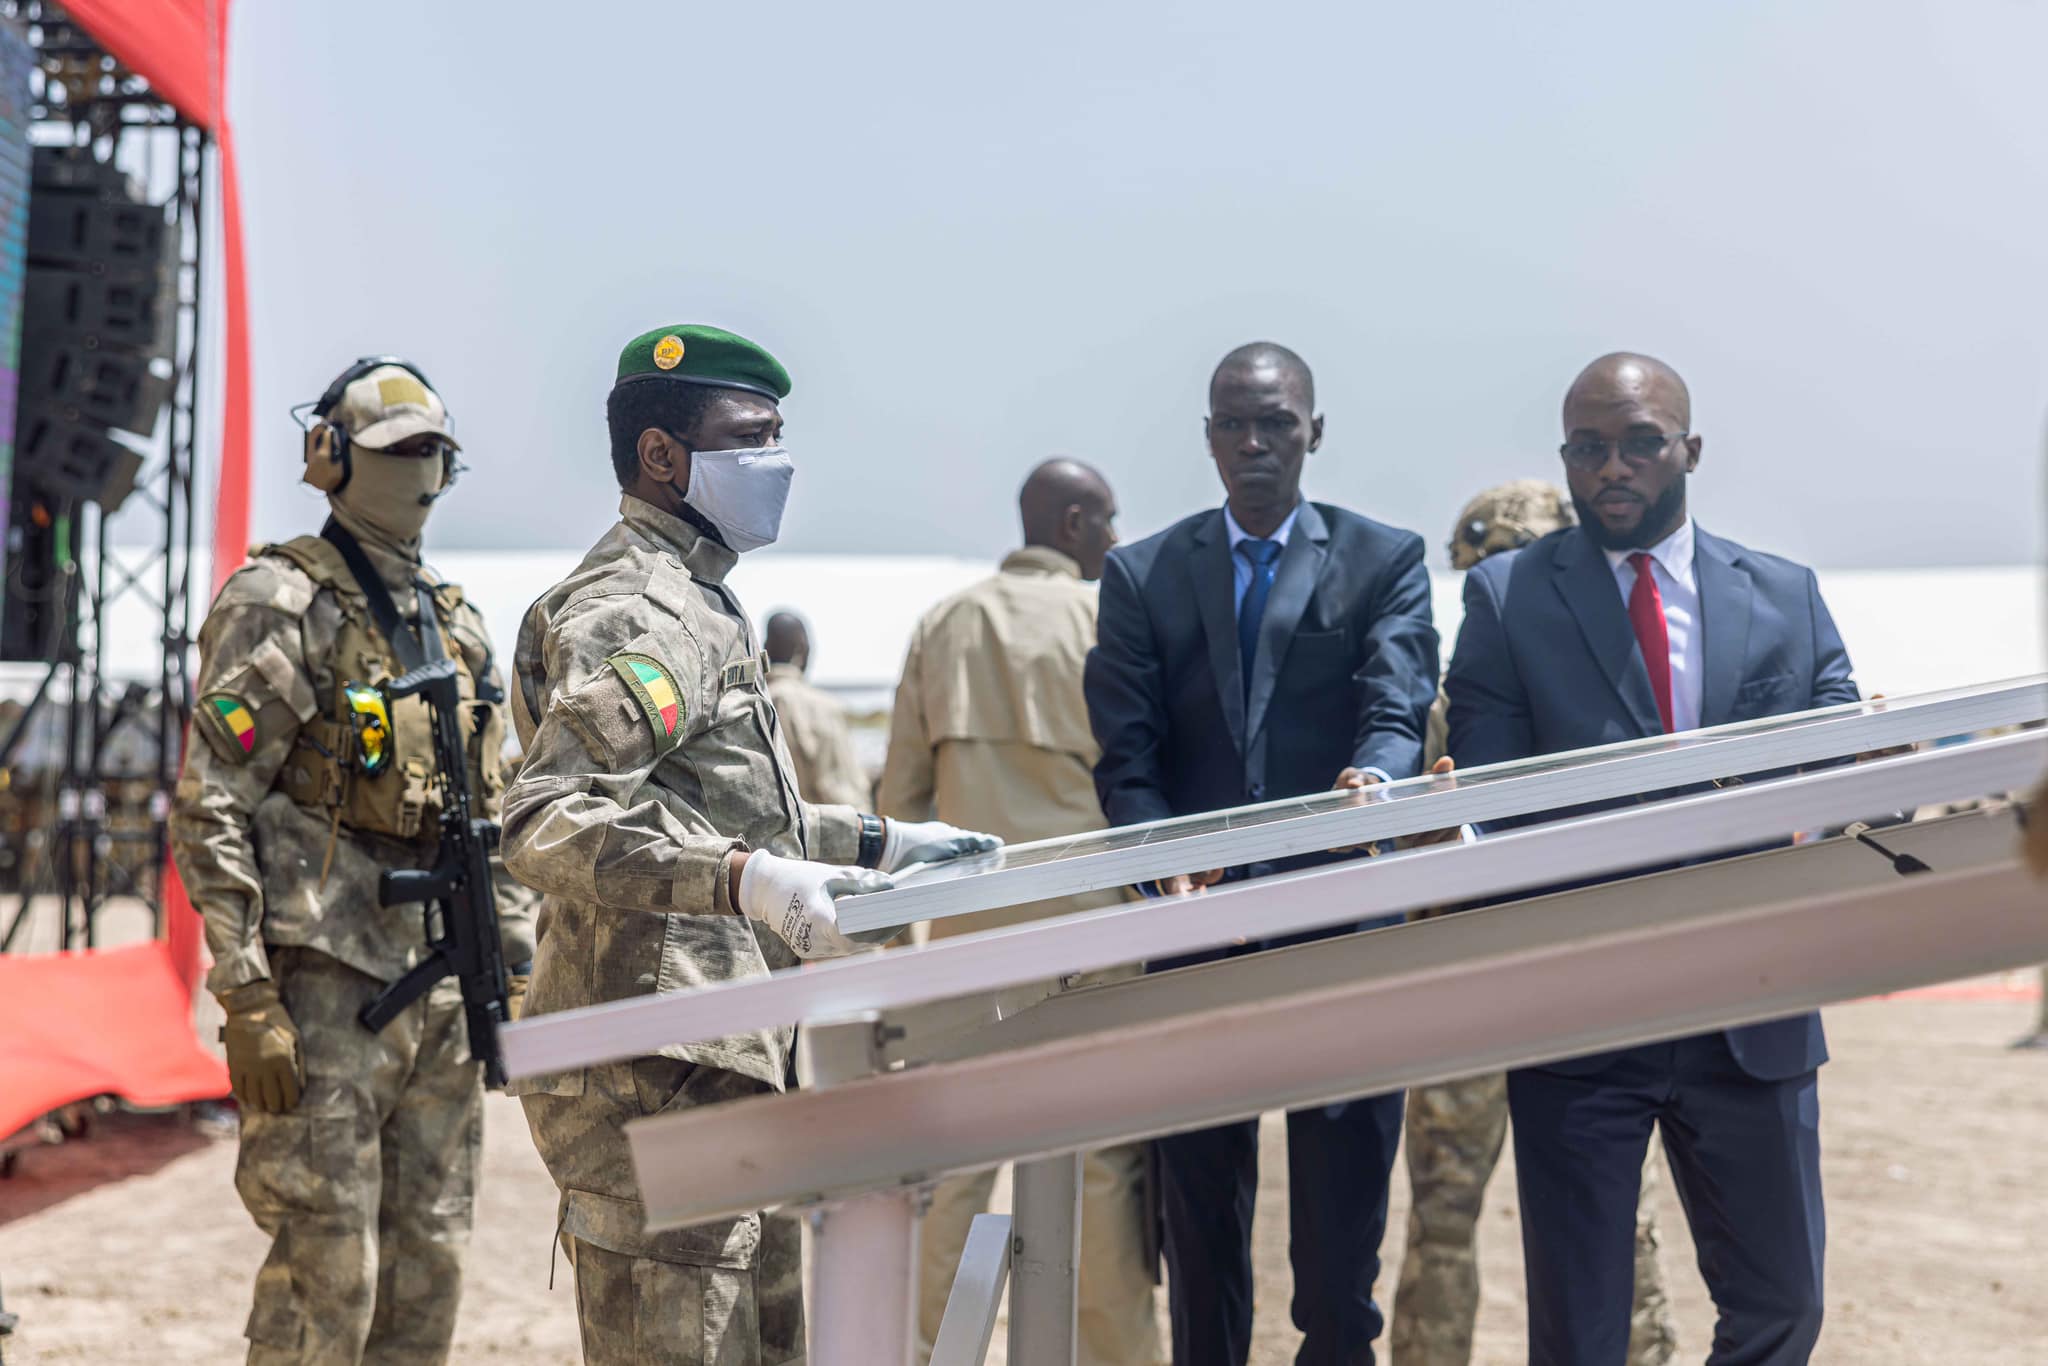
x=244, y=964
x=834, y=834
x=1379, y=773
x=721, y=890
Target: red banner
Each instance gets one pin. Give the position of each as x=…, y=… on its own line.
x=105, y=1022
x=119, y=1021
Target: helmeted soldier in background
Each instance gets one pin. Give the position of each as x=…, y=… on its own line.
x=656, y=809
x=813, y=723
x=1455, y=1129
x=302, y=785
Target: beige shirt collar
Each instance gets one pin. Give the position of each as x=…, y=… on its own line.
x=1041, y=559
x=705, y=558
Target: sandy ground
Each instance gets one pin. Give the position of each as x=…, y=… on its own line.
x=131, y=1246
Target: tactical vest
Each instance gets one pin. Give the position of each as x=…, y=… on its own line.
x=325, y=770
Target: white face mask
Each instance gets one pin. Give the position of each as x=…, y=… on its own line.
x=742, y=491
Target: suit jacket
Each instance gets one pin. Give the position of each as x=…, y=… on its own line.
x=1547, y=661
x=1344, y=675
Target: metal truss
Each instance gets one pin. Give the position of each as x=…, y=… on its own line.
x=118, y=742
x=897, y=1099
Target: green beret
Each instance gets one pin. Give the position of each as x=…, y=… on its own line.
x=696, y=354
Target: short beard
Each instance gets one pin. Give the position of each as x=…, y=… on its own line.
x=1657, y=521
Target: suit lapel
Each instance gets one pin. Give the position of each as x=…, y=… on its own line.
x=1725, y=591
x=1216, y=596
x=1301, y=564
x=1586, y=583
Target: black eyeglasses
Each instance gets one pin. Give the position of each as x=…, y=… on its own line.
x=1638, y=450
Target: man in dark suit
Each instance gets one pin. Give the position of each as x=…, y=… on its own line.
x=1635, y=623
x=1266, y=649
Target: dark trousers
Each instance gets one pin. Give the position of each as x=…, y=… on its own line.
x=1338, y=1160
x=1745, y=1158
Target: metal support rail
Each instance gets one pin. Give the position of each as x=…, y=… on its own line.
x=1269, y=908
x=1272, y=830
x=1666, y=955
x=970, y=1320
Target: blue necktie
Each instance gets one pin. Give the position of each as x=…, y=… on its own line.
x=1262, y=556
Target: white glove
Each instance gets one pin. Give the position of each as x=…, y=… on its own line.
x=908, y=842
x=793, y=897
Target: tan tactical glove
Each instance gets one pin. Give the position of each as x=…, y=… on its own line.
x=265, y=1066
x=515, y=995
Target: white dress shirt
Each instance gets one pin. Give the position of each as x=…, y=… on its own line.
x=1241, y=567
x=1671, y=560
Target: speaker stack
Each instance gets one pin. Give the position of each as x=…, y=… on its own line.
x=95, y=337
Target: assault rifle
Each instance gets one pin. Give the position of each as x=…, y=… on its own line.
x=461, y=910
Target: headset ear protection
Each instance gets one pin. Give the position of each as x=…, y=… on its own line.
x=327, y=448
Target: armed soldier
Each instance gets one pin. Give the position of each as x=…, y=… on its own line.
x=308, y=781
x=658, y=812
x=1455, y=1130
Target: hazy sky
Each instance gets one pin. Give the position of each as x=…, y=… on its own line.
x=981, y=235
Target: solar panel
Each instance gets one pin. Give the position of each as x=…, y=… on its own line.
x=1330, y=820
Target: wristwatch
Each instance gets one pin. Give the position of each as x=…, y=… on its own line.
x=872, y=839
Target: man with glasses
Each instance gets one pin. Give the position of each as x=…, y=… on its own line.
x=1637, y=622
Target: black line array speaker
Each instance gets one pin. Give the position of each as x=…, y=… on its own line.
x=94, y=328
x=39, y=592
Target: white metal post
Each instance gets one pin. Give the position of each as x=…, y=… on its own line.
x=1045, y=1265
x=863, y=1308
x=864, y=1254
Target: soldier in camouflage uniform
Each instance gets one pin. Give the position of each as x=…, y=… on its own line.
x=358, y=1151
x=814, y=724
x=657, y=811
x=1456, y=1129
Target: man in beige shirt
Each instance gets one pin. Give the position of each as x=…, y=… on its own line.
x=991, y=732
x=813, y=723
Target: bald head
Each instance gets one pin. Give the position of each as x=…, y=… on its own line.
x=1263, y=362
x=787, y=640
x=1629, y=450
x=1626, y=377
x=1067, y=506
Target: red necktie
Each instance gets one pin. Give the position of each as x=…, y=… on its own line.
x=1646, y=614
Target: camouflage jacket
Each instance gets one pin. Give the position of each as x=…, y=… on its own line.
x=261, y=868
x=652, y=755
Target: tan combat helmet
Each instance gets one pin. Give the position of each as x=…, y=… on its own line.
x=1507, y=516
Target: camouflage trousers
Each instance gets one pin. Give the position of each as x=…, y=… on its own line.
x=1454, y=1138
x=366, y=1188
x=1117, y=1323
x=722, y=1294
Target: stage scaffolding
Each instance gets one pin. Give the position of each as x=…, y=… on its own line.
x=91, y=758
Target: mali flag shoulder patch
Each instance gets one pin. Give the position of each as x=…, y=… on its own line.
x=655, y=688
x=232, y=722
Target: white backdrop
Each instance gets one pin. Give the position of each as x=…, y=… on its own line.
x=1908, y=630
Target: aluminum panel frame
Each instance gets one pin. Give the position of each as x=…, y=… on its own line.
x=1657, y=971
x=1269, y=908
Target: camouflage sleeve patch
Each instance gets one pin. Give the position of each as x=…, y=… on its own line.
x=229, y=725
x=655, y=688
